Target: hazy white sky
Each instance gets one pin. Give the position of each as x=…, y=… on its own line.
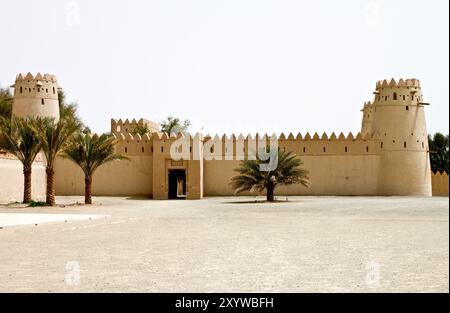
x=230, y=65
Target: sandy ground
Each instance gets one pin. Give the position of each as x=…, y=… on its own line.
x=16, y=219
x=309, y=244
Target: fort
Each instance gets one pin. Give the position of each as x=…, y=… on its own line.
x=388, y=157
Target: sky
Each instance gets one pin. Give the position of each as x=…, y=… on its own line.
x=231, y=66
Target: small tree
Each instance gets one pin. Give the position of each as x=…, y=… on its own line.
x=439, y=154
x=174, y=125
x=55, y=137
x=89, y=152
x=6, y=100
x=287, y=172
x=140, y=129
x=19, y=137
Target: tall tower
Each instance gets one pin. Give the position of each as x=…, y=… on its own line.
x=397, y=116
x=37, y=96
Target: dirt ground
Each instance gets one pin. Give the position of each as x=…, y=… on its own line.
x=308, y=244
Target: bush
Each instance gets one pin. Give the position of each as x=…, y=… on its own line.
x=35, y=204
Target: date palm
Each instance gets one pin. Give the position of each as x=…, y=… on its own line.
x=286, y=172
x=90, y=152
x=19, y=137
x=55, y=137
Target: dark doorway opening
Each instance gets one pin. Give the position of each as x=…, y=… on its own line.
x=177, y=184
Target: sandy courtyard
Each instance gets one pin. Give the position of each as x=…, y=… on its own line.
x=310, y=244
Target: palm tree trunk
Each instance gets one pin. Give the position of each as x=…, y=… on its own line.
x=26, y=184
x=88, y=190
x=270, y=197
x=50, y=186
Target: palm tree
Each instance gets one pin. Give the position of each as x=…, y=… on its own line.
x=55, y=137
x=19, y=137
x=287, y=172
x=90, y=152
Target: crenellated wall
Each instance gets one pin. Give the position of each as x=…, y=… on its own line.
x=338, y=165
x=440, y=184
x=388, y=157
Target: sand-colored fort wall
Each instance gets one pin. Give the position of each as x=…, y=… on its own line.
x=440, y=184
x=11, y=179
x=338, y=165
x=131, y=177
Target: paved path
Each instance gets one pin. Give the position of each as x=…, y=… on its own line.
x=310, y=244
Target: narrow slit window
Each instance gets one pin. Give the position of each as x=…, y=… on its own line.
x=346, y=149
x=395, y=96
x=21, y=90
x=143, y=150
x=404, y=145
x=162, y=149
x=42, y=101
x=367, y=149
x=54, y=90
x=324, y=149
x=126, y=150
x=304, y=150
x=407, y=108
x=381, y=145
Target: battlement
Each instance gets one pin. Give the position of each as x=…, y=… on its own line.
x=126, y=126
x=39, y=86
x=412, y=82
x=39, y=77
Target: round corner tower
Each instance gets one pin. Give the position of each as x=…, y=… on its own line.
x=397, y=115
x=36, y=96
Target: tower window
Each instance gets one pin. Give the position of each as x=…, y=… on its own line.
x=54, y=90
x=407, y=108
x=423, y=146
x=142, y=149
x=304, y=149
x=162, y=149
x=46, y=90
x=42, y=101
x=39, y=89
x=152, y=149
x=20, y=89
x=367, y=149
x=395, y=96
x=126, y=149
x=404, y=98
x=381, y=145
x=346, y=149
x=404, y=145
x=212, y=149
x=324, y=149
x=29, y=89
x=190, y=149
